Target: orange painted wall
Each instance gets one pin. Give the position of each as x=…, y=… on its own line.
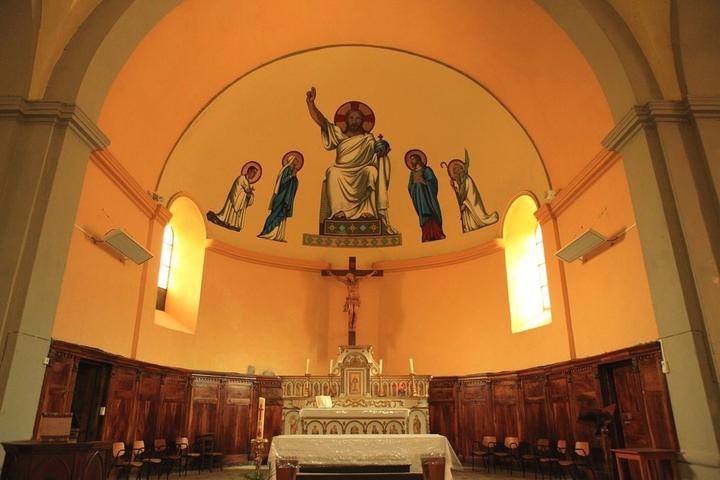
x=609, y=296
x=451, y=320
x=99, y=296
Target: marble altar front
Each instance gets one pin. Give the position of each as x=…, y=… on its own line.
x=364, y=400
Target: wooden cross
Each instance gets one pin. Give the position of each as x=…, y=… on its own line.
x=352, y=263
x=352, y=302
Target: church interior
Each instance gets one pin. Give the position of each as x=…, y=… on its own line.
x=485, y=230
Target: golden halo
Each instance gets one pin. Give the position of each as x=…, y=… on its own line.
x=367, y=113
x=286, y=158
x=418, y=152
x=451, y=166
x=247, y=166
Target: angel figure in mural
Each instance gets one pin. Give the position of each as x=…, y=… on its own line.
x=283, y=197
x=356, y=186
x=472, y=210
x=423, y=189
x=240, y=197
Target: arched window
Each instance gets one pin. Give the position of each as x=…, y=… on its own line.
x=165, y=259
x=528, y=292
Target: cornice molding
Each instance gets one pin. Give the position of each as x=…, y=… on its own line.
x=162, y=215
x=395, y=266
x=657, y=111
x=544, y=213
x=236, y=253
x=587, y=177
x=43, y=111
x=126, y=183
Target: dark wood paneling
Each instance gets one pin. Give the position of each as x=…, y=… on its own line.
x=120, y=411
x=204, y=406
x=147, y=407
x=442, y=407
x=236, y=409
x=173, y=406
x=657, y=402
x=58, y=384
x=545, y=402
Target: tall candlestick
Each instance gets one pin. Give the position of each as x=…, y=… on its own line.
x=331, y=365
x=412, y=367
x=261, y=418
x=307, y=366
x=381, y=366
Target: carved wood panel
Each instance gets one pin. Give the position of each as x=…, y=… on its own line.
x=147, y=406
x=561, y=420
x=506, y=409
x=119, y=414
x=442, y=409
x=205, y=407
x=585, y=390
x=58, y=384
x=657, y=402
x=235, y=434
x=171, y=414
x=476, y=413
x=534, y=409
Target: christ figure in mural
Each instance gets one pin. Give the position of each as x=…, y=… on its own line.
x=357, y=184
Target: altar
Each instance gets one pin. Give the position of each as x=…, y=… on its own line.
x=364, y=401
x=363, y=449
x=338, y=421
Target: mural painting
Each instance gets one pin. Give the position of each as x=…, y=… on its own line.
x=283, y=197
x=472, y=210
x=354, y=197
x=423, y=189
x=240, y=197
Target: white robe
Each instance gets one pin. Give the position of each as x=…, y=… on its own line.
x=358, y=182
x=239, y=198
x=472, y=210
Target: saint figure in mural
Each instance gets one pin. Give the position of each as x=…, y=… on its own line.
x=423, y=188
x=281, y=203
x=472, y=210
x=240, y=197
x=356, y=186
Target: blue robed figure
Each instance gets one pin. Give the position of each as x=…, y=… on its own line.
x=423, y=188
x=281, y=204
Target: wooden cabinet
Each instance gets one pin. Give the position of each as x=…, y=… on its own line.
x=34, y=460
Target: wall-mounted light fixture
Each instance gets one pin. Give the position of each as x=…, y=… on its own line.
x=583, y=244
x=125, y=245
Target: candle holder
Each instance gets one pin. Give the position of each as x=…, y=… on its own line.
x=257, y=447
x=413, y=387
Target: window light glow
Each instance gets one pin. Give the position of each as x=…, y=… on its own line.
x=528, y=292
x=166, y=257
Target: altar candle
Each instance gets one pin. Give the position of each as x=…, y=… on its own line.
x=307, y=366
x=412, y=367
x=261, y=418
x=381, y=366
x=331, y=365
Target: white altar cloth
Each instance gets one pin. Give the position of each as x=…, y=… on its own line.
x=363, y=450
x=355, y=413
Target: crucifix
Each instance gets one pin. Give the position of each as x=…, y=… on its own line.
x=351, y=279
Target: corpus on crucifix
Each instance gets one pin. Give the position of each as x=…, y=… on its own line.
x=351, y=279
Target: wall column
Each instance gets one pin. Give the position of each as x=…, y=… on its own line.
x=677, y=222
x=44, y=149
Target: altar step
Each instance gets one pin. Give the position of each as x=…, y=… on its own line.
x=361, y=476
x=359, y=472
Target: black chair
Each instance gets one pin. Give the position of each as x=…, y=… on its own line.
x=123, y=462
x=507, y=453
x=182, y=447
x=483, y=450
x=169, y=458
x=210, y=455
x=532, y=457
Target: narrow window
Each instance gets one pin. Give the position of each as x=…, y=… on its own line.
x=164, y=274
x=542, y=269
x=528, y=292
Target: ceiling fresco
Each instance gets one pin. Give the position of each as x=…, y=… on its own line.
x=353, y=151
